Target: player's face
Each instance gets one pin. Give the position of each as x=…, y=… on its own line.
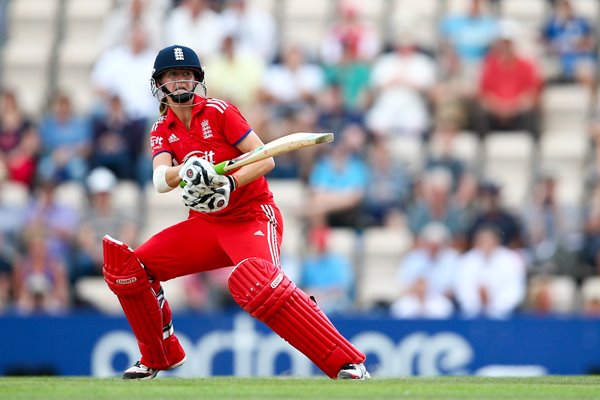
x=178, y=81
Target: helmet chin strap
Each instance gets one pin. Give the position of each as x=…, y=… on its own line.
x=181, y=98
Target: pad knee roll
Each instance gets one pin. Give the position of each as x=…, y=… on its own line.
x=266, y=293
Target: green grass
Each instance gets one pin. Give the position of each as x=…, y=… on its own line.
x=446, y=388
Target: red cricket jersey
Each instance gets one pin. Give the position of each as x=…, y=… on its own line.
x=215, y=130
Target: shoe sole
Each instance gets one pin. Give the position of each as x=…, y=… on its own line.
x=348, y=376
x=153, y=375
x=178, y=364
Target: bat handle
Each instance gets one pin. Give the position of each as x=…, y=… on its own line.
x=219, y=169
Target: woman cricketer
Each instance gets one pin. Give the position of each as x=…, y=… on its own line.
x=233, y=221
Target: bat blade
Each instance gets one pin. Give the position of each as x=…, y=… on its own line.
x=282, y=145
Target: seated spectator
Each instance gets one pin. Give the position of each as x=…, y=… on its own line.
x=590, y=251
x=117, y=140
x=194, y=24
x=66, y=140
x=338, y=181
x=40, y=279
x=550, y=229
x=441, y=152
x=570, y=41
x=102, y=218
x=59, y=222
x=235, y=74
x=471, y=33
x=254, y=29
x=492, y=212
x=326, y=275
x=401, y=82
x=426, y=276
x=509, y=87
x=434, y=203
x=19, y=141
x=292, y=84
x=351, y=76
x=12, y=222
x=388, y=189
x=122, y=71
x=349, y=34
x=333, y=115
x=491, y=278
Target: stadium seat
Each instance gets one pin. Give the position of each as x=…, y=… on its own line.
x=590, y=290
x=408, y=150
x=417, y=17
x=508, y=160
x=565, y=156
x=13, y=194
x=163, y=210
x=531, y=13
x=561, y=289
x=344, y=241
x=127, y=196
x=32, y=20
x=566, y=107
x=289, y=194
x=589, y=9
x=270, y=6
x=72, y=194
x=304, y=23
x=376, y=275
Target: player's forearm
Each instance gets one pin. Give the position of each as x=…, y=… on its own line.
x=251, y=172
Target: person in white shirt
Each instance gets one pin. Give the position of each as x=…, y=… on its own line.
x=491, y=278
x=402, y=81
x=117, y=72
x=426, y=276
x=292, y=83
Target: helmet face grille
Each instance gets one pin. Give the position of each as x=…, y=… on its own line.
x=161, y=92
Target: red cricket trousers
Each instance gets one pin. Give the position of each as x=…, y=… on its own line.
x=204, y=242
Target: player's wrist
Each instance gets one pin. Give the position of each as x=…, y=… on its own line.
x=233, y=182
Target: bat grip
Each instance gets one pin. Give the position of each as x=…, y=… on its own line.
x=219, y=169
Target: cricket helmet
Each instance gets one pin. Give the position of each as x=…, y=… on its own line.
x=176, y=57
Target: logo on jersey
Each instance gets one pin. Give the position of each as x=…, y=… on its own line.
x=173, y=138
x=158, y=122
x=156, y=142
x=206, y=155
x=178, y=54
x=206, y=131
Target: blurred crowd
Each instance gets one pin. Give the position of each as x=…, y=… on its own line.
x=470, y=254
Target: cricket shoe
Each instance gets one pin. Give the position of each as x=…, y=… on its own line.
x=142, y=372
x=354, y=371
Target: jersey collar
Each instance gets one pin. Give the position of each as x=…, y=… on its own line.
x=196, y=109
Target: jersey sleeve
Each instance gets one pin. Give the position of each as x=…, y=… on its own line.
x=158, y=140
x=235, y=125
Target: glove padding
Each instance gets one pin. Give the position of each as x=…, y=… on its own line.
x=197, y=171
x=205, y=200
x=205, y=190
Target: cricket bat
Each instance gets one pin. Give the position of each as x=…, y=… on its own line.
x=284, y=144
